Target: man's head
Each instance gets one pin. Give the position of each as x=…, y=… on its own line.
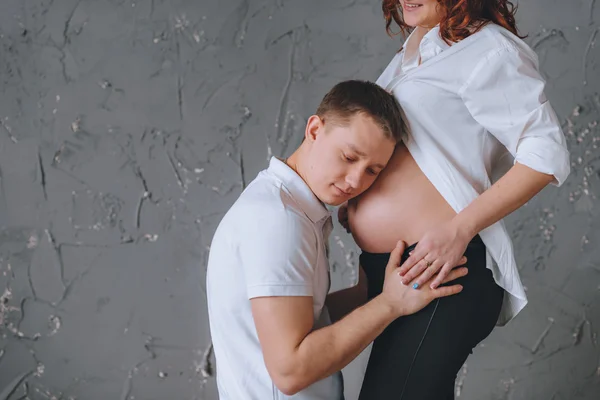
x=349, y=140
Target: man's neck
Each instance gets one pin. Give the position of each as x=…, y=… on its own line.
x=295, y=163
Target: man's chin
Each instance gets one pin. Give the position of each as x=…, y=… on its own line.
x=334, y=201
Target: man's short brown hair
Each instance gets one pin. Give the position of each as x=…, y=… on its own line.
x=351, y=97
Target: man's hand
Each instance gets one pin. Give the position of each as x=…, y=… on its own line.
x=297, y=356
x=403, y=299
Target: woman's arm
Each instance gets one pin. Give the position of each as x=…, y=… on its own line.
x=505, y=95
x=509, y=193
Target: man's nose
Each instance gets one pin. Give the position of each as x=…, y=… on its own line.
x=353, y=178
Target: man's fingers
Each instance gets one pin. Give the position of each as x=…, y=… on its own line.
x=445, y=291
x=462, y=261
x=455, y=274
x=444, y=272
x=396, y=256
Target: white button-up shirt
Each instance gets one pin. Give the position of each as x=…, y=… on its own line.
x=272, y=242
x=473, y=109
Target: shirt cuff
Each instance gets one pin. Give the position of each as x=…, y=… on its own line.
x=546, y=156
x=276, y=290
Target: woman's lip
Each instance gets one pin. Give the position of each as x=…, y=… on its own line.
x=406, y=6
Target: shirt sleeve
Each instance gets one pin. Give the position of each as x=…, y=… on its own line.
x=505, y=94
x=278, y=253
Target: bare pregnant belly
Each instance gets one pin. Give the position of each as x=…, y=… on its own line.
x=401, y=205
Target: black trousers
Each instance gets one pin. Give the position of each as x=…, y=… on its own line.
x=417, y=357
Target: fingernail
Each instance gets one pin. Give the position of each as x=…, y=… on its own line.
x=404, y=282
x=415, y=286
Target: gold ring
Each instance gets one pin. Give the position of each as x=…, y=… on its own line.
x=428, y=263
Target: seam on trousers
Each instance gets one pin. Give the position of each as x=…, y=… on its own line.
x=419, y=348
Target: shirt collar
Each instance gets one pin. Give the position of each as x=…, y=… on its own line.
x=430, y=46
x=309, y=203
x=433, y=38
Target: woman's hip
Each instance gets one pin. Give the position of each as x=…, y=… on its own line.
x=481, y=298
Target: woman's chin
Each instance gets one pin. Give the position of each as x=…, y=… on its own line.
x=412, y=22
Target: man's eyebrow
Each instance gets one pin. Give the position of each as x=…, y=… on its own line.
x=362, y=154
x=356, y=150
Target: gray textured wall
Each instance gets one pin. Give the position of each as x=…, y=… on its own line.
x=127, y=128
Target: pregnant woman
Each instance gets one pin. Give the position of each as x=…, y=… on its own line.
x=483, y=140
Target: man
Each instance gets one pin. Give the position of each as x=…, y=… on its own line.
x=268, y=272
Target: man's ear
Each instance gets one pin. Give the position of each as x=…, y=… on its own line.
x=314, y=126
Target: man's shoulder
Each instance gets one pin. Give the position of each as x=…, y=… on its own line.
x=266, y=216
x=265, y=211
x=266, y=197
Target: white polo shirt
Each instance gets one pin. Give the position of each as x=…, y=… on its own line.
x=270, y=243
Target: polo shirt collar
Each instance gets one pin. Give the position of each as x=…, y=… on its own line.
x=309, y=203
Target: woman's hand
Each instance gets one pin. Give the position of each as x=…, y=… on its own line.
x=405, y=301
x=438, y=252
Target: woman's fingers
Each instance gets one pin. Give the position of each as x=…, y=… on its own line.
x=426, y=275
x=421, y=274
x=412, y=260
x=415, y=272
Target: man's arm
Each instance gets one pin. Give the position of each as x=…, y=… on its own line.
x=342, y=302
x=297, y=357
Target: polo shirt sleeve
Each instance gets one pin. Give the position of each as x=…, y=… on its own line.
x=505, y=94
x=278, y=252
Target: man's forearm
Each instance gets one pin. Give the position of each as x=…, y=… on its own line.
x=328, y=350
